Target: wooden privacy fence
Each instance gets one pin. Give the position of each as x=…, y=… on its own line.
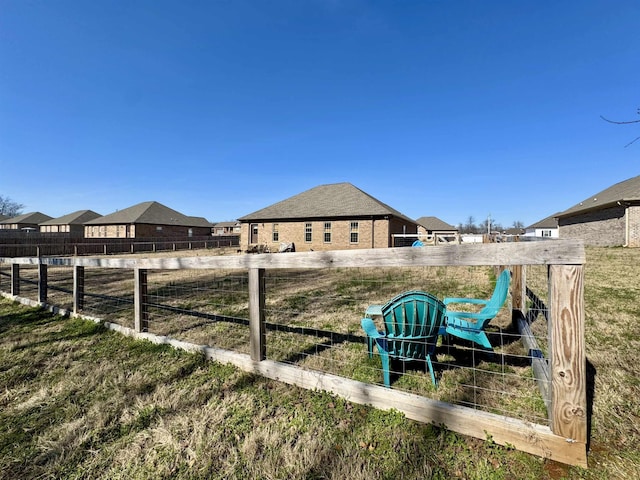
x=50, y=245
x=561, y=377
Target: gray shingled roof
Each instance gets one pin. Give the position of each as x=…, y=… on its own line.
x=435, y=224
x=33, y=218
x=76, y=218
x=626, y=191
x=152, y=213
x=326, y=201
x=549, y=222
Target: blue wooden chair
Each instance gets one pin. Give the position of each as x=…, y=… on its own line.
x=471, y=325
x=412, y=322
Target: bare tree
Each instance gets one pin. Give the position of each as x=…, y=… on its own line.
x=9, y=207
x=470, y=225
x=624, y=123
x=518, y=224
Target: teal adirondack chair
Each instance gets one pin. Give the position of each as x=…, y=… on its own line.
x=412, y=322
x=471, y=325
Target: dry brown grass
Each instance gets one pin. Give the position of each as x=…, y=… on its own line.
x=222, y=424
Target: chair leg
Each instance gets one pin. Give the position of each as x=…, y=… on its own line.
x=430, y=365
x=384, y=356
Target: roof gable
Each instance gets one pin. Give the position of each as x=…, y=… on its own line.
x=326, y=201
x=31, y=218
x=152, y=213
x=626, y=191
x=549, y=222
x=434, y=223
x=76, y=218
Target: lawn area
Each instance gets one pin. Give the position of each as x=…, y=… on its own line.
x=79, y=401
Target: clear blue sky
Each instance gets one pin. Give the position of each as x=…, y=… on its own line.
x=220, y=108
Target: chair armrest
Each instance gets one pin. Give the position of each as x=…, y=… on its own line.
x=475, y=301
x=466, y=315
x=373, y=310
x=370, y=328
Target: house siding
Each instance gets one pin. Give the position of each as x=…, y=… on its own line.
x=602, y=228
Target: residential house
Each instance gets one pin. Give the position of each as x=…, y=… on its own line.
x=545, y=228
x=433, y=230
x=327, y=217
x=71, y=224
x=28, y=222
x=227, y=228
x=608, y=218
x=147, y=220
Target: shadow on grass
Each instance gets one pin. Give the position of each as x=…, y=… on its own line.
x=24, y=317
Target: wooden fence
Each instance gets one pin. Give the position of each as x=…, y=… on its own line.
x=561, y=378
x=37, y=244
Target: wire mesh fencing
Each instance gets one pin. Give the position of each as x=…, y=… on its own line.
x=313, y=321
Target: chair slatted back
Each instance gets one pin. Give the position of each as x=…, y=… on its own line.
x=412, y=322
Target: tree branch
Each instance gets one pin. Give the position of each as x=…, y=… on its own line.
x=632, y=141
x=620, y=123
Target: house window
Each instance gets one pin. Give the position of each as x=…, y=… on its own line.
x=158, y=228
x=190, y=232
x=546, y=233
x=327, y=232
x=274, y=234
x=307, y=232
x=353, y=232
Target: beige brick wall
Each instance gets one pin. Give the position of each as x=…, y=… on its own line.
x=371, y=234
x=603, y=228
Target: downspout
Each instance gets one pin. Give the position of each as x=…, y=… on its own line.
x=373, y=232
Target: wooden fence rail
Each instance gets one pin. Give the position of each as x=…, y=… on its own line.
x=565, y=440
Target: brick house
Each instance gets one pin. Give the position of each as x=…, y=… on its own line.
x=28, y=222
x=71, y=224
x=433, y=230
x=608, y=218
x=226, y=228
x=327, y=217
x=147, y=220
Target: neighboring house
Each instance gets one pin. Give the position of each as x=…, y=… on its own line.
x=328, y=217
x=29, y=222
x=71, y=224
x=608, y=218
x=227, y=228
x=433, y=230
x=513, y=232
x=147, y=220
x=545, y=228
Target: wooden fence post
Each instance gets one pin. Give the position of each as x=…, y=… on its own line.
x=78, y=288
x=518, y=288
x=567, y=353
x=140, y=300
x=257, y=329
x=42, y=283
x=15, y=279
